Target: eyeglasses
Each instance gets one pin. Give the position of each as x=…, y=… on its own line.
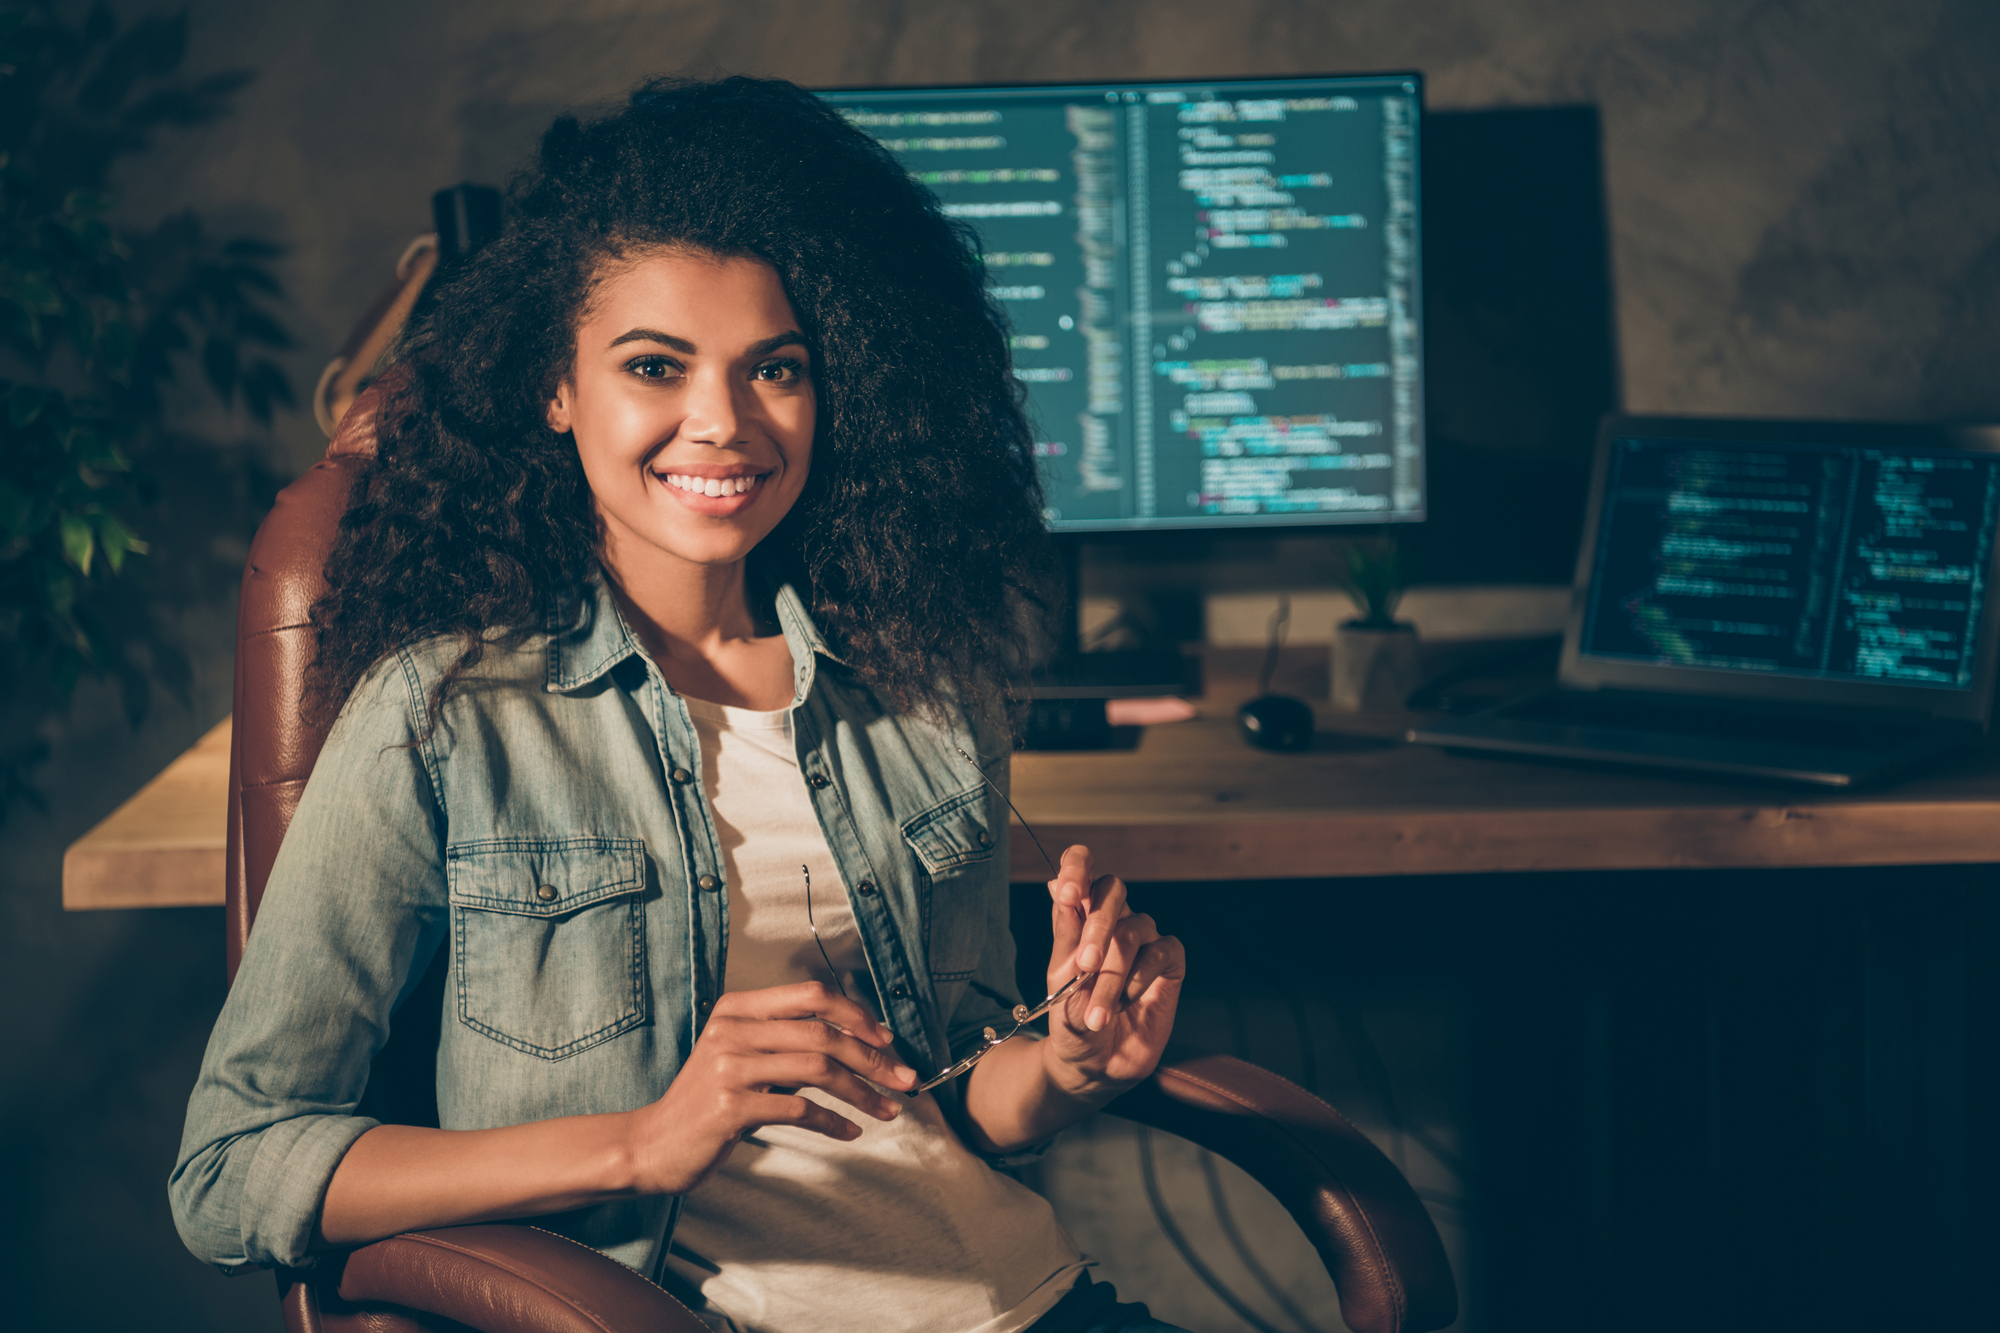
x=1022, y=1015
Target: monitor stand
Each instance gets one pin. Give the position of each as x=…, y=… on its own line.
x=1066, y=698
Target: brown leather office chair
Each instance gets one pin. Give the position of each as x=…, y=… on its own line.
x=1377, y=1241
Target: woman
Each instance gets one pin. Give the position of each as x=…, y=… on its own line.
x=665, y=632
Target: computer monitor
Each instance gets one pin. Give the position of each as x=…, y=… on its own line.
x=1214, y=287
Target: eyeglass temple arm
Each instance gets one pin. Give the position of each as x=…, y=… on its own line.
x=1026, y=827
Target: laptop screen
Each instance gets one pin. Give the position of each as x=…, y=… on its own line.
x=1829, y=562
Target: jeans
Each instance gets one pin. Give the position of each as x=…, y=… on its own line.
x=1094, y=1307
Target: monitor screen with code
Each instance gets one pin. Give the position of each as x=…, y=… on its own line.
x=1213, y=288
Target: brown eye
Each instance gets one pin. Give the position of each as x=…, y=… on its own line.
x=780, y=372
x=652, y=368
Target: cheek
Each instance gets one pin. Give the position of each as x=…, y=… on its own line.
x=616, y=433
x=800, y=425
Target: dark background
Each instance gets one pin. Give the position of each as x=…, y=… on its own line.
x=1796, y=207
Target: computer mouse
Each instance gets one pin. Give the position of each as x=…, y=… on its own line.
x=1276, y=722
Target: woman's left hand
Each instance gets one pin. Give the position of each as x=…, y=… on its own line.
x=1109, y=1032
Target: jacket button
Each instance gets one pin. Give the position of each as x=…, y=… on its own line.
x=546, y=893
x=708, y=881
x=899, y=992
x=985, y=838
x=865, y=887
x=818, y=780
x=681, y=775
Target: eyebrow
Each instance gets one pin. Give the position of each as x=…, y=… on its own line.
x=789, y=338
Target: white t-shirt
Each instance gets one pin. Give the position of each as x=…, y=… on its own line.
x=901, y=1229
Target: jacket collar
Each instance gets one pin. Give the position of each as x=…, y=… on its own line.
x=592, y=638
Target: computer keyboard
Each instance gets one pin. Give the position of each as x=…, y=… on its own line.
x=1731, y=720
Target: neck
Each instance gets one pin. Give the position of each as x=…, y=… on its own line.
x=697, y=623
x=694, y=616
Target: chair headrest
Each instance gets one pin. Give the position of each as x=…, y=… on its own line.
x=356, y=436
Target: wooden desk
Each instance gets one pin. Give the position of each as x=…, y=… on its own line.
x=163, y=847
x=1192, y=802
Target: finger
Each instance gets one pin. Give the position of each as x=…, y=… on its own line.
x=1107, y=992
x=1163, y=957
x=805, y=999
x=1066, y=925
x=792, y=1036
x=802, y=1069
x=1071, y=886
x=1107, y=910
x=804, y=1112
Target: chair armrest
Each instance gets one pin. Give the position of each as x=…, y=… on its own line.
x=1371, y=1230
x=498, y=1278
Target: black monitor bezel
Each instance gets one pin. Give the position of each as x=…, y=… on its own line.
x=1130, y=530
x=1579, y=671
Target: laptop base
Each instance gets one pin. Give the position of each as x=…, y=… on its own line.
x=1725, y=738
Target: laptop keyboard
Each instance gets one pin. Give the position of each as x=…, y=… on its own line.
x=1644, y=712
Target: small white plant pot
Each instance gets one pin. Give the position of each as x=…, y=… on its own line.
x=1374, y=670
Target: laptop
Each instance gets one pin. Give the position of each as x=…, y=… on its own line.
x=1802, y=601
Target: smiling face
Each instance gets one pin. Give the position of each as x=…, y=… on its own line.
x=691, y=403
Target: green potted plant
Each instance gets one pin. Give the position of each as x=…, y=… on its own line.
x=1374, y=655
x=98, y=312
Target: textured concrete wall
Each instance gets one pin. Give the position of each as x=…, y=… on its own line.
x=1804, y=206
x=1804, y=197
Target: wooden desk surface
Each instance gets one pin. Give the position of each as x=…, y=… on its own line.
x=1192, y=802
x=164, y=847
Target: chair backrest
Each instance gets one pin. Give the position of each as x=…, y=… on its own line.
x=273, y=745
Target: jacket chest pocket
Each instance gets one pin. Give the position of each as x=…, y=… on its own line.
x=954, y=848
x=549, y=940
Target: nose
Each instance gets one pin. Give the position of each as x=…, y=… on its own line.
x=715, y=412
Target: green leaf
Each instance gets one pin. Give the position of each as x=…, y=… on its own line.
x=24, y=404
x=117, y=540
x=14, y=508
x=165, y=46
x=87, y=203
x=78, y=541
x=1374, y=579
x=35, y=292
x=264, y=385
x=115, y=346
x=150, y=48
x=66, y=670
x=87, y=445
x=59, y=594
x=253, y=247
x=82, y=326
x=256, y=326
x=249, y=275
x=218, y=359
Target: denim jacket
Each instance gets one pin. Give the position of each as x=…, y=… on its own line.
x=551, y=833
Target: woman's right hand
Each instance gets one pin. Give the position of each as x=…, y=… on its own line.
x=758, y=1049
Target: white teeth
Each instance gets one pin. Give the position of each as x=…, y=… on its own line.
x=710, y=486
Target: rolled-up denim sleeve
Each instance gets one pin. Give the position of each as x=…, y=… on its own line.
x=354, y=909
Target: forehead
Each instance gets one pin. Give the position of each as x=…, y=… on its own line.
x=689, y=293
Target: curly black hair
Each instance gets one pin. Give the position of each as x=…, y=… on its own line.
x=918, y=542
